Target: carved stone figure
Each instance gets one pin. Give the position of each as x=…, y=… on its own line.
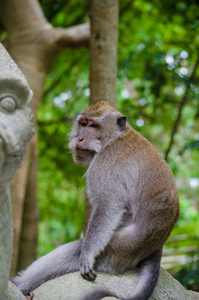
x=16, y=129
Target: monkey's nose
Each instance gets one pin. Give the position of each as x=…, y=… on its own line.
x=80, y=143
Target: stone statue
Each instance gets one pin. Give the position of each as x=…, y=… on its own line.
x=16, y=129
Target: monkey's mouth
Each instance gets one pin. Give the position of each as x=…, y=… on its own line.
x=84, y=152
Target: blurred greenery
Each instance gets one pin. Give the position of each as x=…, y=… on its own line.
x=158, y=48
x=189, y=275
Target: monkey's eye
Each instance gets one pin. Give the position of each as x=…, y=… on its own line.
x=94, y=125
x=83, y=124
x=8, y=104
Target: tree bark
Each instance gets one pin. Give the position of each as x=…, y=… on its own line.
x=103, y=57
x=103, y=50
x=32, y=42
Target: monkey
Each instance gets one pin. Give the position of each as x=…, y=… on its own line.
x=134, y=206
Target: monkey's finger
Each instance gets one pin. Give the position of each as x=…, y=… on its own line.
x=90, y=275
x=94, y=274
x=85, y=276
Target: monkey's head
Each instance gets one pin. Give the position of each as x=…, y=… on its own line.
x=93, y=129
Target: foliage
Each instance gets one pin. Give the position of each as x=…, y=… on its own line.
x=61, y=183
x=189, y=275
x=157, y=50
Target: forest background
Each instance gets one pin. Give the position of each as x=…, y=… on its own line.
x=157, y=88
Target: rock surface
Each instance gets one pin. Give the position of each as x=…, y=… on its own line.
x=71, y=286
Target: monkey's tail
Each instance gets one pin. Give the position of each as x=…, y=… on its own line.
x=97, y=294
x=149, y=270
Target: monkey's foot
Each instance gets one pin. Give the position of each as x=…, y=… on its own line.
x=29, y=296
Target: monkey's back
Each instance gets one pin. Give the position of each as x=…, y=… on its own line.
x=138, y=177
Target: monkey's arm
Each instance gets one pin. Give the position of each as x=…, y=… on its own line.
x=105, y=219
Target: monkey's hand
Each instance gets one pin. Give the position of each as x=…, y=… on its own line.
x=86, y=269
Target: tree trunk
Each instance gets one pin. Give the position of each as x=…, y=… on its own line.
x=32, y=42
x=103, y=50
x=103, y=57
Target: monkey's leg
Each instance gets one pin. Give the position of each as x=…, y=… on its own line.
x=62, y=260
x=148, y=270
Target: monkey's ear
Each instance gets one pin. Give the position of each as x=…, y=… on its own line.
x=121, y=122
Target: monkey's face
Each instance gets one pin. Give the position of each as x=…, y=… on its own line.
x=93, y=129
x=85, y=139
x=16, y=125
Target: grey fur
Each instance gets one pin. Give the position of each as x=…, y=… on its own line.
x=135, y=206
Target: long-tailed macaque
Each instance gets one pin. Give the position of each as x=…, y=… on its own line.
x=134, y=206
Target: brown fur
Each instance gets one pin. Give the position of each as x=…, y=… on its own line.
x=129, y=182
x=135, y=206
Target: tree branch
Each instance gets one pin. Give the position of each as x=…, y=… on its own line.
x=74, y=36
x=32, y=26
x=182, y=104
x=26, y=17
